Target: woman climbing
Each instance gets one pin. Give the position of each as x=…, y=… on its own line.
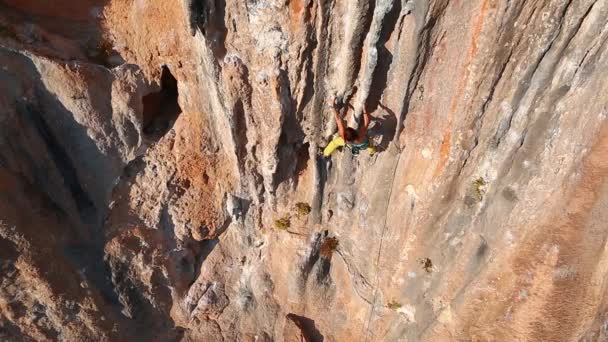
x=349, y=137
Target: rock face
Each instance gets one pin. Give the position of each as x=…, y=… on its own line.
x=161, y=176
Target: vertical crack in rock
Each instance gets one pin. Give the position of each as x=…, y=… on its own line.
x=371, y=48
x=322, y=59
x=423, y=45
x=357, y=19
x=379, y=77
x=310, y=259
x=208, y=16
x=63, y=162
x=377, y=268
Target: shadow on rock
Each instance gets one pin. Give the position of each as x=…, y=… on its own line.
x=307, y=327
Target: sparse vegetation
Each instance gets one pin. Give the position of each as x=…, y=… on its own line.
x=328, y=247
x=283, y=223
x=479, y=188
x=302, y=209
x=426, y=264
x=393, y=305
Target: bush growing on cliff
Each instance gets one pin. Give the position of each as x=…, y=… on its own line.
x=479, y=188
x=302, y=209
x=393, y=305
x=426, y=264
x=283, y=223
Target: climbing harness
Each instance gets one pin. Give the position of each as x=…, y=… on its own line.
x=356, y=148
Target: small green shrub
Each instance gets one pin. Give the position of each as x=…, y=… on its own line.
x=302, y=209
x=393, y=305
x=426, y=264
x=479, y=188
x=283, y=223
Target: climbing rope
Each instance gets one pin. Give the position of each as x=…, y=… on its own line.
x=377, y=280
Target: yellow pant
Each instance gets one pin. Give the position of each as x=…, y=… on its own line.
x=339, y=142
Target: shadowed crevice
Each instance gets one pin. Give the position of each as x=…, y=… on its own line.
x=307, y=327
x=209, y=17
x=161, y=108
x=63, y=162
x=385, y=58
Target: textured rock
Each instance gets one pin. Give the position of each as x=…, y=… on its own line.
x=148, y=149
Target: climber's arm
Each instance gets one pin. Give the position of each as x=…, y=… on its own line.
x=339, y=123
x=364, y=126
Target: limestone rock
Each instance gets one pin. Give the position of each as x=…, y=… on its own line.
x=148, y=148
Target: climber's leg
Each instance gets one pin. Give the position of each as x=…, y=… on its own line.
x=371, y=149
x=332, y=146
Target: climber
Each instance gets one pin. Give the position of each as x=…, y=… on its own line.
x=349, y=137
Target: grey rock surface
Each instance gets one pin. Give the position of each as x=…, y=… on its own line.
x=161, y=175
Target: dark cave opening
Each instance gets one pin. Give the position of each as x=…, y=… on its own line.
x=161, y=108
